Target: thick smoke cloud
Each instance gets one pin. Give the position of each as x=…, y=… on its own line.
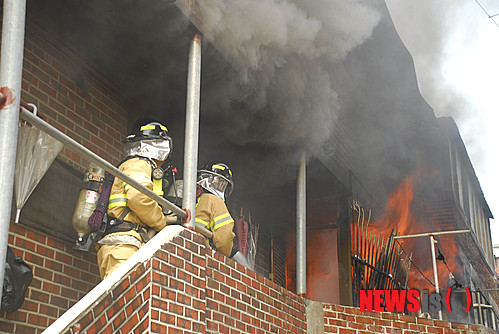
x=282, y=53
x=454, y=45
x=432, y=30
x=427, y=43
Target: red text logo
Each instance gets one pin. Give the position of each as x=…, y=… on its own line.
x=401, y=300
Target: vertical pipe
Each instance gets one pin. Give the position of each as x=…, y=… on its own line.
x=272, y=267
x=343, y=240
x=435, y=275
x=301, y=229
x=480, y=314
x=494, y=320
x=11, y=59
x=192, y=127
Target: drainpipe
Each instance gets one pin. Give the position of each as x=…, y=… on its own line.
x=301, y=228
x=11, y=59
x=192, y=128
x=435, y=274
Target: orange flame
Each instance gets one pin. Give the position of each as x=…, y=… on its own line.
x=405, y=211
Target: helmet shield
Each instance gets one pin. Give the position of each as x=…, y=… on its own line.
x=157, y=149
x=216, y=183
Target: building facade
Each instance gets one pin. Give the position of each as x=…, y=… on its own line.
x=382, y=132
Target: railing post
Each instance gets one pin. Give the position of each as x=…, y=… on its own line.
x=301, y=226
x=435, y=273
x=192, y=128
x=14, y=17
x=345, y=252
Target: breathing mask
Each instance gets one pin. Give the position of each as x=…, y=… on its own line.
x=157, y=149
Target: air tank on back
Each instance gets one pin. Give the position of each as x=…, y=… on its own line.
x=87, y=201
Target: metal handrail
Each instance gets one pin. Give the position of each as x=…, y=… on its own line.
x=71, y=144
x=86, y=153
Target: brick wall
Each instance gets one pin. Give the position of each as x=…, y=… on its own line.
x=178, y=302
x=241, y=301
x=187, y=288
x=350, y=320
x=61, y=277
x=125, y=308
x=73, y=96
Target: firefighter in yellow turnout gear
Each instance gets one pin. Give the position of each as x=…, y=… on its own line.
x=214, y=185
x=134, y=217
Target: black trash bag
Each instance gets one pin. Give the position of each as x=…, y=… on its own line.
x=18, y=276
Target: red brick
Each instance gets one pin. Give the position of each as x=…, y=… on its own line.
x=142, y=326
x=130, y=323
x=119, y=319
x=6, y=327
x=25, y=245
x=38, y=320
x=25, y=329
x=364, y=320
x=419, y=328
x=444, y=324
x=69, y=293
x=400, y=324
x=434, y=330
x=459, y=325
x=356, y=325
x=39, y=296
x=346, y=331
x=337, y=322
x=63, y=257
x=391, y=316
x=51, y=288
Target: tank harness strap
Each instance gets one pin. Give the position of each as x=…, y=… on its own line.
x=120, y=225
x=157, y=186
x=126, y=226
x=114, y=222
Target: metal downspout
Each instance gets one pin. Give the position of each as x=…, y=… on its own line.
x=301, y=230
x=192, y=128
x=14, y=18
x=435, y=274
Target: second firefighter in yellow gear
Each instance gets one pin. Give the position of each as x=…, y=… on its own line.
x=136, y=217
x=214, y=185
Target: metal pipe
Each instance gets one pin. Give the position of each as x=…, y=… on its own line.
x=322, y=226
x=92, y=157
x=11, y=60
x=301, y=226
x=272, y=267
x=429, y=234
x=192, y=128
x=479, y=311
x=435, y=275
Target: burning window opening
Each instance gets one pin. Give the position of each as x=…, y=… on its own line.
x=380, y=263
x=375, y=266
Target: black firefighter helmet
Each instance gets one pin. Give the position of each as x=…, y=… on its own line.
x=147, y=128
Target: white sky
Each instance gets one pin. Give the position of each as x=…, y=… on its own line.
x=455, y=47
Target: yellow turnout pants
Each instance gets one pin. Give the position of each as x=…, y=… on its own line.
x=110, y=257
